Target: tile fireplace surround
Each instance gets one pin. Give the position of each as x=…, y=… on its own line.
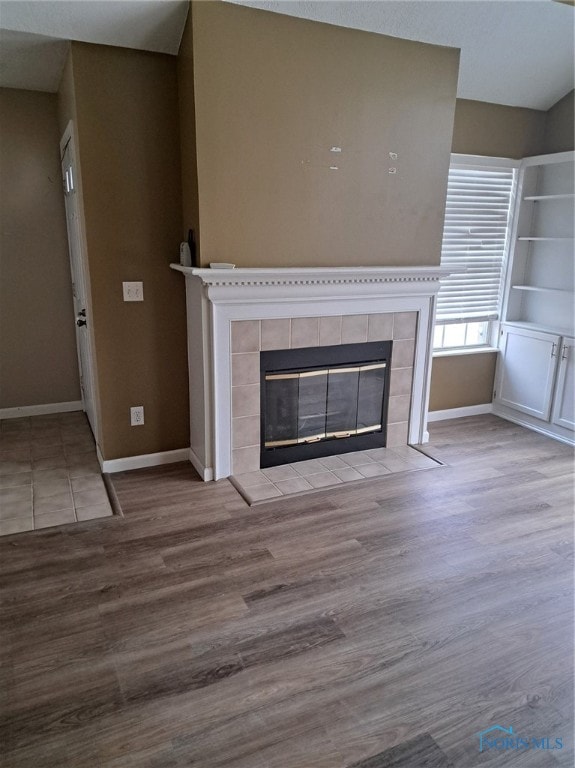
x=234, y=314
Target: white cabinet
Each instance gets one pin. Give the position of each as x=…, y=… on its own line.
x=528, y=375
x=535, y=382
x=564, y=407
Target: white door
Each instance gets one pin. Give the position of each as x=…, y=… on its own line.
x=527, y=371
x=83, y=340
x=564, y=407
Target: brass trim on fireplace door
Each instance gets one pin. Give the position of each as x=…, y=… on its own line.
x=324, y=372
x=322, y=436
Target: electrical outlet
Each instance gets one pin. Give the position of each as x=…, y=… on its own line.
x=137, y=416
x=133, y=291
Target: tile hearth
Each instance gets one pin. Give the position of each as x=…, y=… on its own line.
x=306, y=476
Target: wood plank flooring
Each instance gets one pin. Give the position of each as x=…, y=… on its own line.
x=383, y=624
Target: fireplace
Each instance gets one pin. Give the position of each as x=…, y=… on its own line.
x=236, y=315
x=323, y=401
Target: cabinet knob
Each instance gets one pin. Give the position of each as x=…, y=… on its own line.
x=554, y=350
x=565, y=352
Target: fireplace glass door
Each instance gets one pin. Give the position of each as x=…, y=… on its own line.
x=325, y=403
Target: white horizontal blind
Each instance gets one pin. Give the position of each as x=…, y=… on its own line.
x=474, y=239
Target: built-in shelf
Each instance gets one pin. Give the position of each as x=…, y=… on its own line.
x=535, y=367
x=555, y=239
x=569, y=196
x=540, y=289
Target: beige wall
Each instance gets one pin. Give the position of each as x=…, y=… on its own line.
x=127, y=127
x=481, y=128
x=462, y=380
x=273, y=95
x=38, y=360
x=560, y=130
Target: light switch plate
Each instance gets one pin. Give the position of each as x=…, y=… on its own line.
x=133, y=291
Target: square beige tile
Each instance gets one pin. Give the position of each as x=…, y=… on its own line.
x=50, y=462
x=21, y=453
x=354, y=329
x=401, y=381
x=397, y=434
x=90, y=498
x=12, y=509
x=310, y=467
x=45, y=488
x=356, y=458
x=403, y=353
x=275, y=334
x=43, y=475
x=78, y=459
x=373, y=470
x=304, y=332
x=249, y=479
x=380, y=327
x=398, y=409
x=21, y=478
x=404, y=325
x=91, y=513
x=16, y=525
x=245, y=336
x=41, y=451
x=323, y=480
x=246, y=431
x=89, y=483
x=283, y=472
x=245, y=368
x=261, y=493
x=50, y=519
x=330, y=331
x=246, y=400
x=78, y=446
x=333, y=462
x=347, y=475
x=53, y=504
x=14, y=467
x=245, y=460
x=88, y=468
x=15, y=493
x=293, y=485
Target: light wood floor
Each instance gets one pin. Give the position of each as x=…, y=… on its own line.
x=311, y=632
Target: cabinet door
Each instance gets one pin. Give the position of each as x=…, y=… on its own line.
x=564, y=407
x=528, y=364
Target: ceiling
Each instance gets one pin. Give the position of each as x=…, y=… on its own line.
x=515, y=52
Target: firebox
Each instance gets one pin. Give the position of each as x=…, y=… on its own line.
x=321, y=401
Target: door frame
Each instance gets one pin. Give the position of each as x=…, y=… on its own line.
x=83, y=274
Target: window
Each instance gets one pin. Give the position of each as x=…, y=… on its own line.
x=475, y=239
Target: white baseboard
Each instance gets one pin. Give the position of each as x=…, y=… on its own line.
x=531, y=423
x=40, y=410
x=459, y=413
x=206, y=473
x=143, y=461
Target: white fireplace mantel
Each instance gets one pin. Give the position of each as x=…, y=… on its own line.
x=215, y=298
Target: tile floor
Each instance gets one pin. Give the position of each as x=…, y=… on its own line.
x=49, y=473
x=311, y=475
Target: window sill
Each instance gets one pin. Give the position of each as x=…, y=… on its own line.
x=462, y=351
